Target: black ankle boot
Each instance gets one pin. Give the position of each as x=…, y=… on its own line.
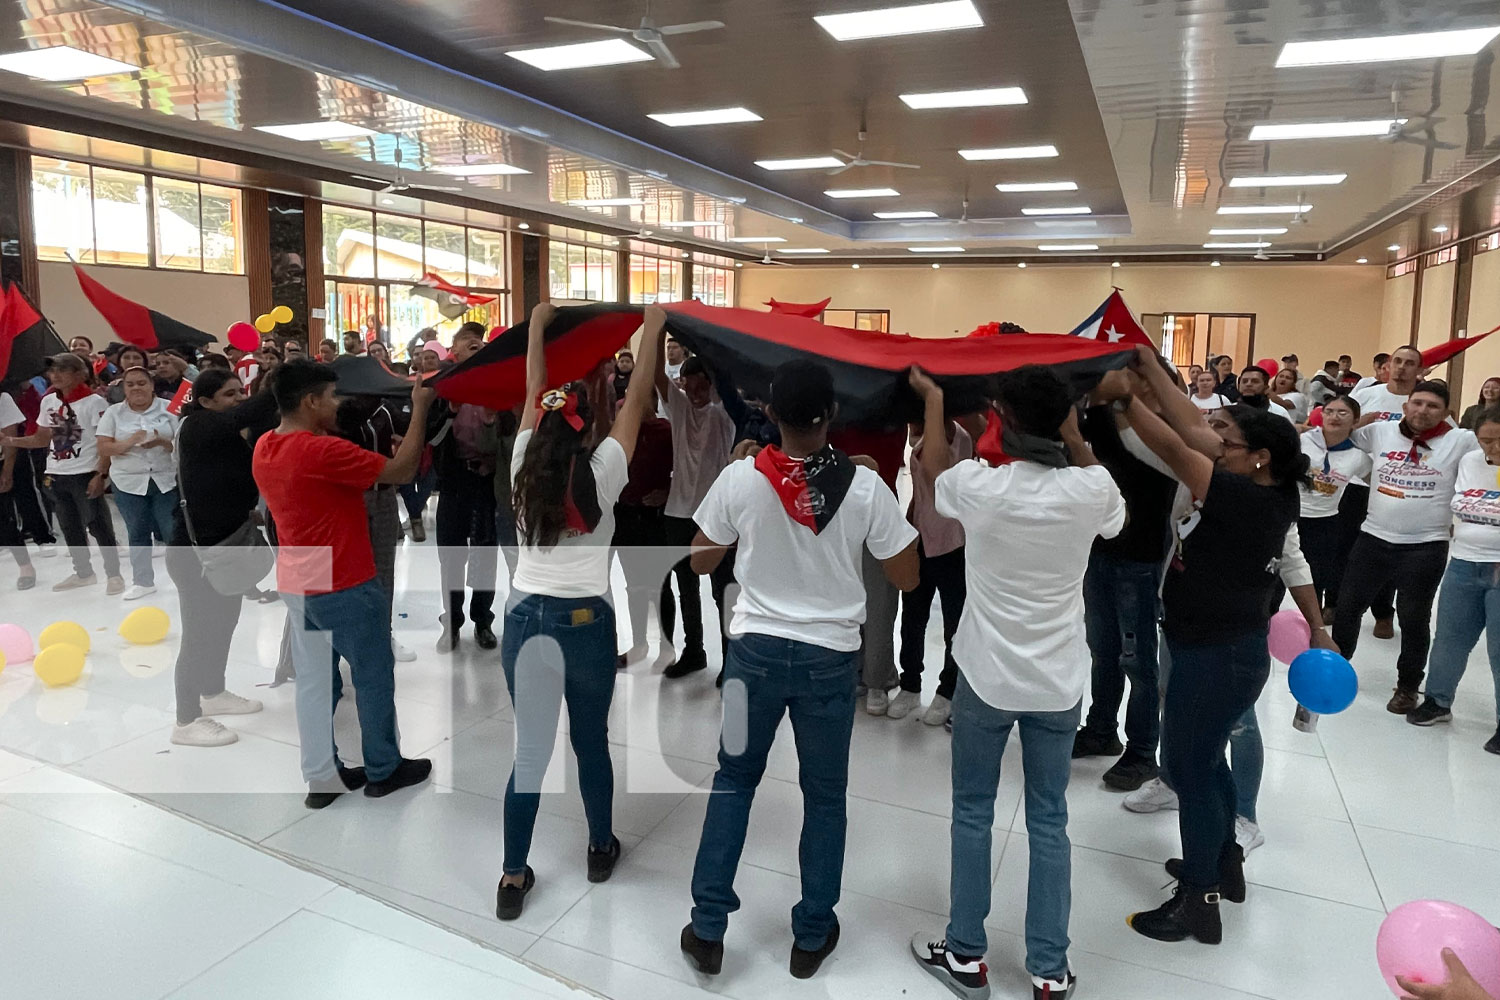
x=1231, y=872
x=1189, y=913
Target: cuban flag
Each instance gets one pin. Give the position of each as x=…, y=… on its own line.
x=1113, y=323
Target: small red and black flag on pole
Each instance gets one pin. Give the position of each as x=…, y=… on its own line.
x=138, y=325
x=27, y=340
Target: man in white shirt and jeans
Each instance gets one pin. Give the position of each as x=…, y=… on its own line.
x=1029, y=526
x=1385, y=400
x=803, y=515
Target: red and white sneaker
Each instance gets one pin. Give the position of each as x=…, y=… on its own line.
x=966, y=977
x=1053, y=989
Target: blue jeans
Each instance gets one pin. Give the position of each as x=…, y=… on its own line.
x=144, y=515
x=1247, y=753
x=980, y=733
x=1213, y=686
x=355, y=625
x=1468, y=604
x=766, y=677
x=557, y=649
x=1120, y=601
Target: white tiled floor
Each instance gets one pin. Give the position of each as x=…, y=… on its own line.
x=1363, y=815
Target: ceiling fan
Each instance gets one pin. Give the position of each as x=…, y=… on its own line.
x=962, y=220
x=1408, y=131
x=1262, y=255
x=648, y=34
x=857, y=158
x=768, y=259
x=397, y=182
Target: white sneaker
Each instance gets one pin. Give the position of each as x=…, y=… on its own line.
x=904, y=704
x=47, y=551
x=877, y=701
x=403, y=654
x=1247, y=835
x=1153, y=796
x=135, y=592
x=938, y=712
x=229, y=703
x=203, y=732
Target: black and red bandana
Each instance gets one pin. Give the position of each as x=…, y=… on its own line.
x=811, y=489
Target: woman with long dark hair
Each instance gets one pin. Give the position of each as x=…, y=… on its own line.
x=1489, y=399
x=1217, y=600
x=218, y=494
x=559, y=638
x=1335, y=464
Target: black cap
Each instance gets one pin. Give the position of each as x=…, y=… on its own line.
x=802, y=394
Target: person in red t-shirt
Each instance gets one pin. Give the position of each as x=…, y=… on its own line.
x=314, y=484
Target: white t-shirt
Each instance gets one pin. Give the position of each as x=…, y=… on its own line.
x=702, y=437
x=1379, y=399
x=578, y=565
x=1366, y=382
x=1299, y=406
x=1028, y=532
x=1409, y=501
x=1213, y=402
x=134, y=470
x=73, y=450
x=795, y=584
x=1345, y=466
x=1476, y=510
x=10, y=413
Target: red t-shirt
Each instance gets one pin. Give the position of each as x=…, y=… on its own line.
x=314, y=485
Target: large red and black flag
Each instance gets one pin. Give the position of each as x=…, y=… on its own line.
x=27, y=340
x=1438, y=353
x=869, y=367
x=138, y=325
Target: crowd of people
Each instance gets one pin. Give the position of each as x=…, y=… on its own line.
x=1130, y=546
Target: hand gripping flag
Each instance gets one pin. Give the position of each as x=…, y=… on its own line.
x=135, y=324
x=452, y=301
x=1112, y=323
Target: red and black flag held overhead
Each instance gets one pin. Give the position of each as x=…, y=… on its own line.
x=27, y=340
x=135, y=324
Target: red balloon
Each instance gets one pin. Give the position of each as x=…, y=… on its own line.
x=1269, y=365
x=244, y=337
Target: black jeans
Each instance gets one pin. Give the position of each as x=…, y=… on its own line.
x=680, y=532
x=1352, y=511
x=640, y=541
x=208, y=622
x=1372, y=565
x=467, y=546
x=942, y=576
x=25, y=501
x=1323, y=545
x=79, y=516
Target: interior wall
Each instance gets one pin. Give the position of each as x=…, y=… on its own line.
x=1435, y=314
x=1483, y=359
x=1317, y=311
x=209, y=302
x=1395, y=318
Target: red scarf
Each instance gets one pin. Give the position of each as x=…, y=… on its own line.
x=988, y=447
x=999, y=446
x=74, y=394
x=1423, y=439
x=810, y=489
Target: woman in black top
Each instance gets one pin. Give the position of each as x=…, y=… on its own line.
x=219, y=494
x=1216, y=601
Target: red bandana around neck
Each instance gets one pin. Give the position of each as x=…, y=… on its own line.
x=74, y=394
x=988, y=447
x=1423, y=439
x=810, y=489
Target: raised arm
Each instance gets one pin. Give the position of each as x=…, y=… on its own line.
x=402, y=468
x=1177, y=410
x=638, y=393
x=1187, y=463
x=937, y=456
x=536, y=361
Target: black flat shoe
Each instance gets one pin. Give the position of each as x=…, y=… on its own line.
x=705, y=956
x=484, y=637
x=510, y=900
x=1190, y=913
x=805, y=964
x=1089, y=743
x=447, y=640
x=1231, y=873
x=602, y=863
x=353, y=779
x=407, y=773
x=690, y=662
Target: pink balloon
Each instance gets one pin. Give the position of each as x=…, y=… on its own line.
x=1413, y=936
x=15, y=644
x=243, y=336
x=1290, y=635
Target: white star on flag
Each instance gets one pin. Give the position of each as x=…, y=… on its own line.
x=1114, y=335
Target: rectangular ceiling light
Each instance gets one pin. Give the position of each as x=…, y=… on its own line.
x=863, y=193
x=936, y=249
x=1064, y=210
x=1286, y=180
x=62, y=62
x=609, y=52
x=479, y=170
x=1039, y=186
x=1009, y=153
x=1254, y=245
x=804, y=250
x=709, y=116
x=1067, y=246
x=1256, y=231
x=906, y=215
x=1387, y=48
x=911, y=20
x=805, y=163
x=1263, y=209
x=990, y=97
x=703, y=224
x=757, y=239
x=316, y=131
x=606, y=202
x=1323, y=130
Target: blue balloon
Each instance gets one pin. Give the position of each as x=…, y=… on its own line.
x=1323, y=681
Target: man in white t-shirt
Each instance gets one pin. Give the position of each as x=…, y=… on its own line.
x=803, y=515
x=1029, y=527
x=1382, y=374
x=77, y=475
x=1405, y=537
x=1385, y=400
x=1254, y=385
x=702, y=436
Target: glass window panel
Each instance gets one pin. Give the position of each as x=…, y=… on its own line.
x=577, y=262
x=609, y=286
x=62, y=208
x=179, y=239
x=447, y=252
x=671, y=281
x=557, y=269
x=348, y=242
x=122, y=232
x=223, y=229
x=594, y=275
x=486, y=259
x=398, y=248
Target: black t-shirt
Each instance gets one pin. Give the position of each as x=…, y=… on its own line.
x=1219, y=583
x=1148, y=494
x=214, y=461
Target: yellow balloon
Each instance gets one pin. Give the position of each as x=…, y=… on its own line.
x=71, y=633
x=59, y=664
x=2, y=663
x=282, y=314
x=265, y=323
x=145, y=626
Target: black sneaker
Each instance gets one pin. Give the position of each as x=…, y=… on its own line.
x=353, y=779
x=1130, y=772
x=1089, y=743
x=602, y=863
x=805, y=964
x=484, y=637
x=968, y=977
x=407, y=773
x=1231, y=873
x=1189, y=913
x=705, y=956
x=1429, y=713
x=447, y=640
x=1493, y=746
x=1053, y=989
x=689, y=662
x=510, y=900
